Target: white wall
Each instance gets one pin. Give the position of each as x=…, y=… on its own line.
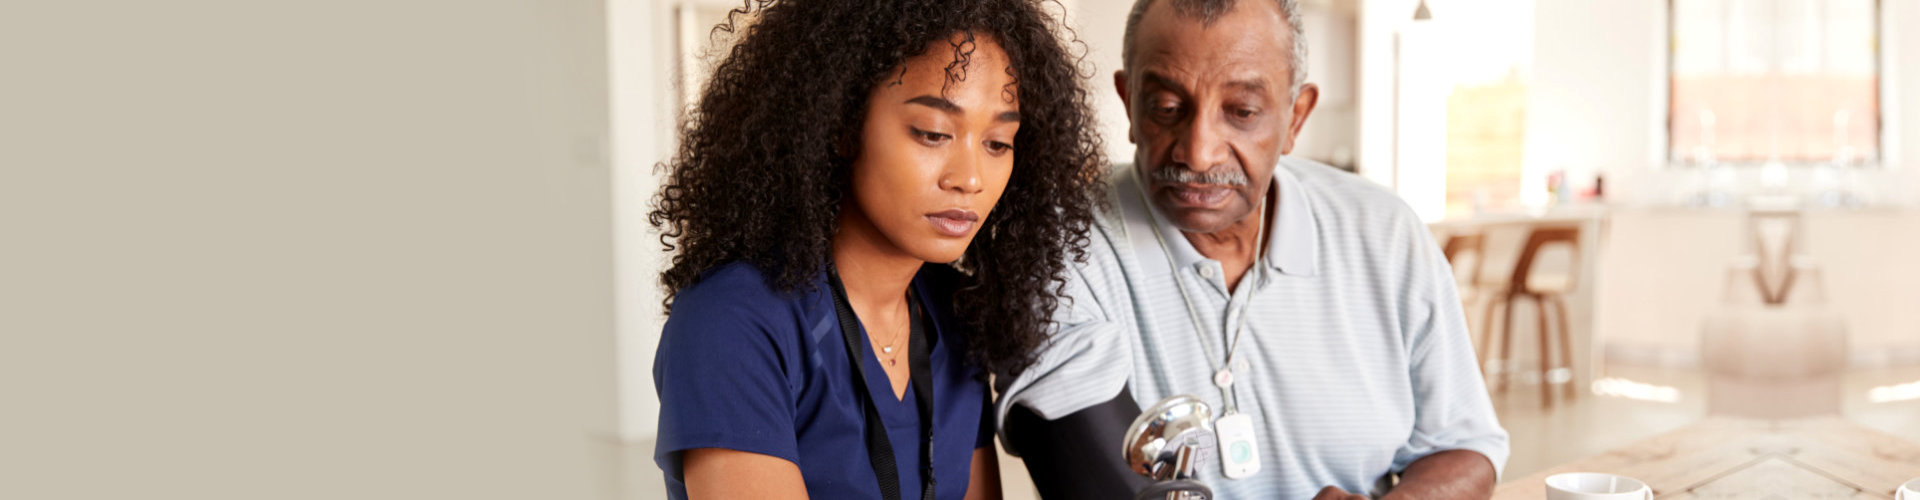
x=641, y=55
x=1380, y=24
x=1332, y=133
x=1901, y=68
x=1420, y=123
x=1595, y=104
x=1101, y=25
x=345, y=249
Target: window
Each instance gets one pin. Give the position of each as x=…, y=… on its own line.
x=1488, y=54
x=1793, y=82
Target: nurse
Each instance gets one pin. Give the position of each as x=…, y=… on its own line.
x=869, y=211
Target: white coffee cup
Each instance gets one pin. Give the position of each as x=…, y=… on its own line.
x=1908, y=491
x=1597, y=486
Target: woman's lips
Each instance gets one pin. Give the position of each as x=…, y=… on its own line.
x=953, y=223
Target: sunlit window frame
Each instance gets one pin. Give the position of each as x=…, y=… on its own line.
x=1883, y=160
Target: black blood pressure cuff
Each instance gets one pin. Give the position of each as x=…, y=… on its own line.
x=1078, y=456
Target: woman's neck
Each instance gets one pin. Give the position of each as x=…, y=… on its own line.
x=875, y=272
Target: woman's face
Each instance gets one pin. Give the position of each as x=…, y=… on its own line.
x=935, y=155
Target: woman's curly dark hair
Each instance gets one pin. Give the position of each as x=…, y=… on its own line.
x=762, y=165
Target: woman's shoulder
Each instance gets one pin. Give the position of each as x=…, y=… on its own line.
x=738, y=283
x=738, y=298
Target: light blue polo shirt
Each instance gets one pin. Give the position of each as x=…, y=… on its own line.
x=1356, y=360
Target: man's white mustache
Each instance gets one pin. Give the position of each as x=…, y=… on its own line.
x=1180, y=175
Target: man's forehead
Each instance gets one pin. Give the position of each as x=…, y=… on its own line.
x=1182, y=66
x=1252, y=38
x=1186, y=78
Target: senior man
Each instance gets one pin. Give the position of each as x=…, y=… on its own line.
x=1308, y=307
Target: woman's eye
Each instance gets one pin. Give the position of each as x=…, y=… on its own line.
x=931, y=138
x=997, y=147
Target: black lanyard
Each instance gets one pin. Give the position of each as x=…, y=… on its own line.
x=879, y=448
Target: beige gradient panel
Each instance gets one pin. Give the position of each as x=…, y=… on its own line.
x=291, y=250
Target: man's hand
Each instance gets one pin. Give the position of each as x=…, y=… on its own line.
x=1335, y=493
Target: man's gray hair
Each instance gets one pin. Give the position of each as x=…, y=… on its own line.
x=1208, y=11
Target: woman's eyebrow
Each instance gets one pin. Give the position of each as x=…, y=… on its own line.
x=937, y=103
x=948, y=107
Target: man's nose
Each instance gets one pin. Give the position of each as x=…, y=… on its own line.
x=1198, y=145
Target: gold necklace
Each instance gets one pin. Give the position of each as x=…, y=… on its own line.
x=888, y=349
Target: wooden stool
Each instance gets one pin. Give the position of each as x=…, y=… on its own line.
x=1466, y=253
x=1524, y=283
x=1460, y=245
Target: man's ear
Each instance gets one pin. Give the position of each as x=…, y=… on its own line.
x=1126, y=102
x=1309, y=95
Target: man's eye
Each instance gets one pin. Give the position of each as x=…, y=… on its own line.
x=1244, y=113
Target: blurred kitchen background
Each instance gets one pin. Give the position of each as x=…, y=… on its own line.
x=398, y=249
x=1701, y=207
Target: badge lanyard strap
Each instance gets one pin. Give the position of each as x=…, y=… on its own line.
x=1227, y=395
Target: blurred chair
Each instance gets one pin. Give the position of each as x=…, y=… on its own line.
x=1529, y=282
x=1774, y=238
x=1466, y=254
x=1773, y=349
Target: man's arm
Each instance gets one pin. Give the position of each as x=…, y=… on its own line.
x=1447, y=475
x=1457, y=444
x=1077, y=456
x=1067, y=413
x=1451, y=475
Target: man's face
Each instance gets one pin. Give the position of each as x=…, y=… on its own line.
x=1211, y=111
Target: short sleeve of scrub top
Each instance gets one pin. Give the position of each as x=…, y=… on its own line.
x=743, y=367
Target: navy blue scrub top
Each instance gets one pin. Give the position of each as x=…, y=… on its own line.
x=744, y=367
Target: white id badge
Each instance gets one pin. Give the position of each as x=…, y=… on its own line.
x=1239, y=451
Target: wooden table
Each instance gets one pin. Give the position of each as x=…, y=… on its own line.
x=1721, y=457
